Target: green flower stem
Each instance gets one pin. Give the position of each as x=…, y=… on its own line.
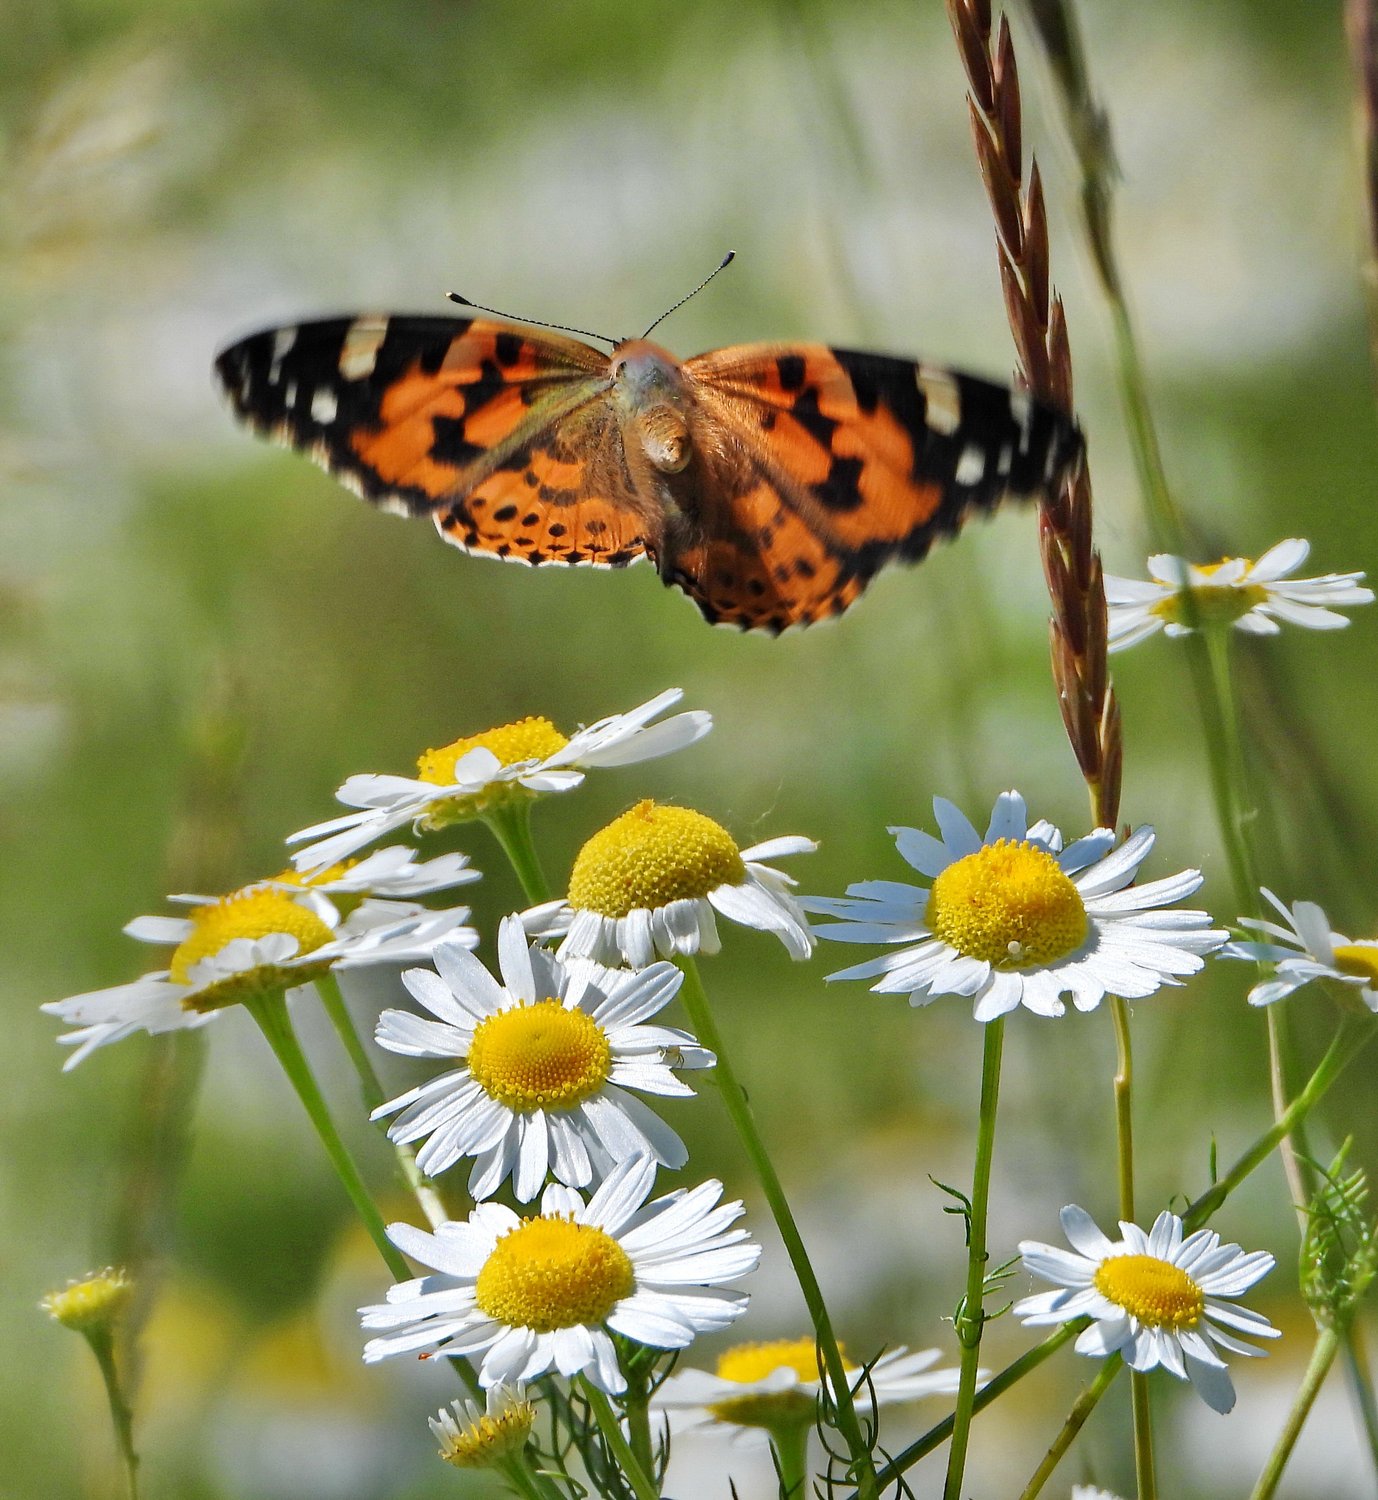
x=270, y=1011
x=511, y=825
x=328, y=987
x=1139, y=1398
x=1348, y=1042
x=1353, y=1037
x=636, y=1409
x=969, y=1324
x=1327, y=1346
x=617, y=1443
x=791, y=1443
x=102, y=1344
x=739, y=1112
x=993, y=1389
x=1076, y=1419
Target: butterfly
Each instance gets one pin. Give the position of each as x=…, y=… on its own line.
x=770, y=482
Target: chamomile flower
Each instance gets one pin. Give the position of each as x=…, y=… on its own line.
x=262, y=938
x=482, y=773
x=1307, y=949
x=547, y=1058
x=650, y=882
x=1090, y=1492
x=548, y=1292
x=1251, y=596
x=777, y=1384
x=1155, y=1298
x=1015, y=919
x=471, y=1438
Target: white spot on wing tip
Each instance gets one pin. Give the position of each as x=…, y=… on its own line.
x=283, y=340
x=362, y=341
x=942, y=399
x=324, y=405
x=971, y=466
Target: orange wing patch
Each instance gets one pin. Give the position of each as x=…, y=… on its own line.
x=565, y=497
x=768, y=569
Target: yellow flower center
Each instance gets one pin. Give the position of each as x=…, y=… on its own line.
x=527, y=739
x=540, y=1056
x=306, y=879
x=551, y=1273
x=253, y=912
x=1359, y=959
x=488, y=1440
x=749, y=1363
x=1008, y=903
x=91, y=1303
x=1158, y=1294
x=1211, y=603
x=651, y=856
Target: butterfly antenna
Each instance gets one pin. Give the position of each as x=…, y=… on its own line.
x=722, y=266
x=535, y=322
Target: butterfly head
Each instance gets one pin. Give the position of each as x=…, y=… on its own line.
x=649, y=389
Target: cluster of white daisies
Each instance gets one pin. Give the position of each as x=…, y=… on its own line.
x=548, y=1062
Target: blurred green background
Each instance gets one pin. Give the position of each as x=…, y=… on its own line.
x=199, y=638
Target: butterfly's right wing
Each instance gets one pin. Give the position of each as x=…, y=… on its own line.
x=502, y=436
x=824, y=464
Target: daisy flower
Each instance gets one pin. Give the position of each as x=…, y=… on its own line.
x=777, y=1384
x=1156, y=1298
x=264, y=937
x=548, y=1292
x=1251, y=596
x=1015, y=919
x=1307, y=949
x=650, y=882
x=547, y=1057
x=499, y=767
x=471, y=1438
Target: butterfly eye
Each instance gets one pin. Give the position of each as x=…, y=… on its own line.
x=664, y=438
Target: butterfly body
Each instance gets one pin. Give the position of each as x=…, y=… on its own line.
x=769, y=481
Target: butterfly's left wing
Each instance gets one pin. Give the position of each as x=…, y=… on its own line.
x=502, y=436
x=820, y=465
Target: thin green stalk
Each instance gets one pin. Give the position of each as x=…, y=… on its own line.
x=511, y=825
x=734, y=1099
x=102, y=1344
x=1352, y=1037
x=270, y=1011
x=791, y=1444
x=993, y=1389
x=1139, y=1397
x=1076, y=1419
x=333, y=1002
x=636, y=1409
x=970, y=1321
x=617, y=1443
x=1327, y=1346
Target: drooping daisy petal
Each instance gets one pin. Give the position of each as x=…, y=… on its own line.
x=1307, y=949
x=650, y=882
x=1156, y=1297
x=1017, y=919
x=539, y=1294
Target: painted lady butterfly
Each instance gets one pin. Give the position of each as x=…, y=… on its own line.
x=769, y=481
